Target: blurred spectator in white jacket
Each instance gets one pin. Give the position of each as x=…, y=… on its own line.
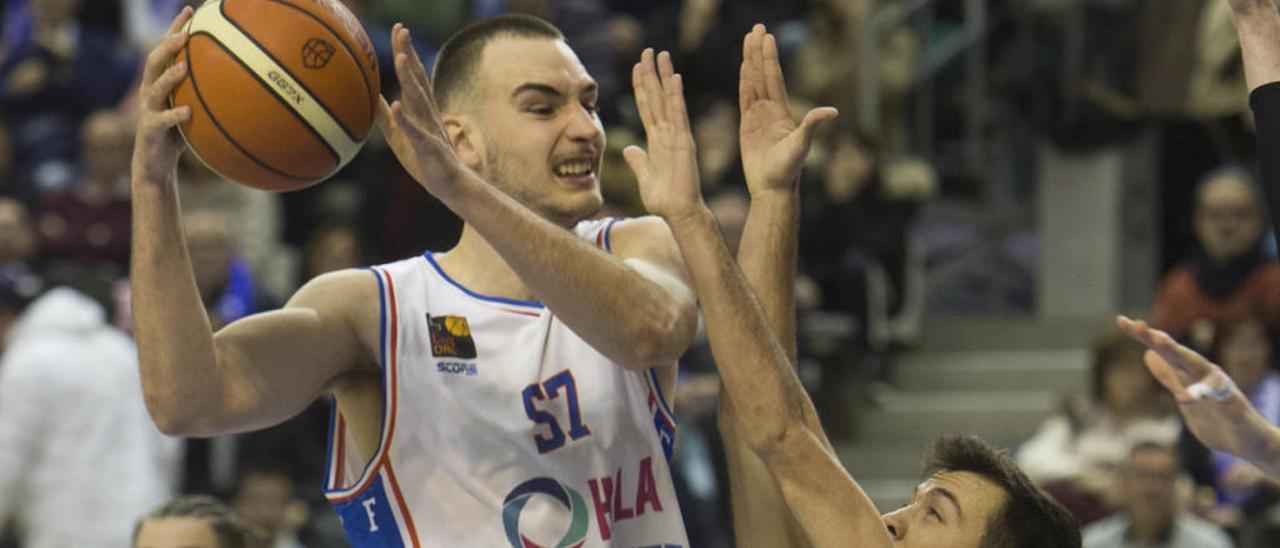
x=80, y=459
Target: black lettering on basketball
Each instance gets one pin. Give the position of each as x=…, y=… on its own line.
x=285, y=87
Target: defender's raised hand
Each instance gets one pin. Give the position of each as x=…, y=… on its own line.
x=668, y=171
x=412, y=123
x=1214, y=408
x=157, y=144
x=773, y=146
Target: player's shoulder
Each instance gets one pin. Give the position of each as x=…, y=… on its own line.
x=641, y=235
x=343, y=291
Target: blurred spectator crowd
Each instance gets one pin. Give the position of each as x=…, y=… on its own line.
x=1116, y=454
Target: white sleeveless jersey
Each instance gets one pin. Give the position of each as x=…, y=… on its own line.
x=501, y=427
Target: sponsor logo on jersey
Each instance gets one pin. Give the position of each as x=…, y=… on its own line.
x=457, y=368
x=569, y=499
x=629, y=493
x=451, y=337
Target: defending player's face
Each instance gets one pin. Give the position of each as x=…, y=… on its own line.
x=176, y=533
x=950, y=509
x=542, y=138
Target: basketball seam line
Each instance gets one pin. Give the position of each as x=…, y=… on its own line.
x=368, y=89
x=272, y=93
x=331, y=137
x=222, y=9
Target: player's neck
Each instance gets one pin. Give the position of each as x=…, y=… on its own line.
x=477, y=266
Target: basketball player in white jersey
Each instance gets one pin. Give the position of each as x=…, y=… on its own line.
x=975, y=497
x=507, y=392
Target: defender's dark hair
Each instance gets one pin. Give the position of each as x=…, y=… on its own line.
x=232, y=531
x=460, y=55
x=1029, y=518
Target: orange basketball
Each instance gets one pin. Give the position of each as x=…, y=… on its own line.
x=282, y=92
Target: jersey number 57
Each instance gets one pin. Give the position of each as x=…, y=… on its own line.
x=550, y=389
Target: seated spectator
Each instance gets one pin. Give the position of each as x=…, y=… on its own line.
x=1152, y=514
x=17, y=241
x=193, y=522
x=80, y=459
x=225, y=280
x=1245, y=349
x=54, y=74
x=332, y=248
x=267, y=499
x=856, y=247
x=1229, y=273
x=89, y=224
x=1078, y=450
x=254, y=216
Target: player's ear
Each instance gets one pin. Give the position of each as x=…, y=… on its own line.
x=462, y=133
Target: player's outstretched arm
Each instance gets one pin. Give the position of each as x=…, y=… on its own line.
x=773, y=149
x=635, y=306
x=754, y=367
x=1214, y=408
x=255, y=372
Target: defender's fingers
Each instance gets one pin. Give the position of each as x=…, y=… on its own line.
x=652, y=87
x=1184, y=359
x=774, y=83
x=638, y=161
x=1166, y=376
x=677, y=114
x=814, y=117
x=643, y=107
x=665, y=68
x=746, y=90
x=757, y=60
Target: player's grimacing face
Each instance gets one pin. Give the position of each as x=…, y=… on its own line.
x=542, y=138
x=950, y=509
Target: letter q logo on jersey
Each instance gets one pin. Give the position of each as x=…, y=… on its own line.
x=549, y=505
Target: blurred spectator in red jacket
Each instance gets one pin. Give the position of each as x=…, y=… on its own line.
x=1229, y=274
x=88, y=224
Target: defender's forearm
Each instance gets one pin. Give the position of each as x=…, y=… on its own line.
x=767, y=256
x=758, y=378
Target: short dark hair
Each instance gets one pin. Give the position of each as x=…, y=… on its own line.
x=1029, y=518
x=460, y=54
x=232, y=531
